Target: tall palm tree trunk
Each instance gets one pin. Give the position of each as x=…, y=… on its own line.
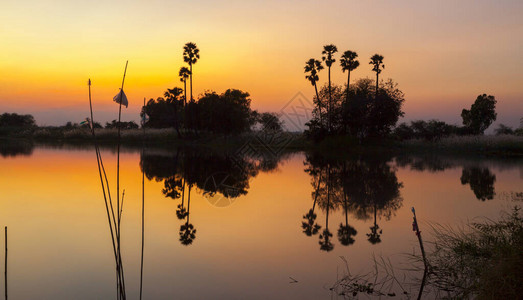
x=319, y=103
x=375, y=214
x=176, y=121
x=377, y=76
x=347, y=100
x=317, y=192
x=185, y=103
x=329, y=113
x=191, y=79
x=328, y=196
x=189, y=203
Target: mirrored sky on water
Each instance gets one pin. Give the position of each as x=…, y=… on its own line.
x=59, y=242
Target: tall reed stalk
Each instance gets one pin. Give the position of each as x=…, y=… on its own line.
x=113, y=225
x=143, y=200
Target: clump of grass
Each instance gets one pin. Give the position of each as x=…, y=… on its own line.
x=482, y=260
x=77, y=133
x=381, y=281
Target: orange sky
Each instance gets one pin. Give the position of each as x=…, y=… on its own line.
x=442, y=54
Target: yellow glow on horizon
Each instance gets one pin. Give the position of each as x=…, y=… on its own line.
x=437, y=52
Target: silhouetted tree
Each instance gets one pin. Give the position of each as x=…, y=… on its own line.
x=191, y=54
x=328, y=52
x=349, y=63
x=481, y=114
x=16, y=120
x=172, y=97
x=228, y=113
x=270, y=122
x=98, y=125
x=377, y=66
x=366, y=115
x=184, y=74
x=432, y=130
x=312, y=68
x=114, y=124
x=481, y=182
x=165, y=112
x=503, y=129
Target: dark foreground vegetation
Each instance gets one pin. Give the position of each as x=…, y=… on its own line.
x=483, y=260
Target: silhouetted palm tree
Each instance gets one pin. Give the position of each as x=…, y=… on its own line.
x=191, y=54
x=184, y=74
x=328, y=52
x=312, y=68
x=377, y=61
x=349, y=63
x=171, y=96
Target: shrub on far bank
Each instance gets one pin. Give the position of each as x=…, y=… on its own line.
x=432, y=130
x=506, y=130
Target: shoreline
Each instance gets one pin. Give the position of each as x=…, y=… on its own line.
x=479, y=145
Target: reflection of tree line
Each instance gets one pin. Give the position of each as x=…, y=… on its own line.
x=13, y=148
x=480, y=179
x=209, y=173
x=366, y=188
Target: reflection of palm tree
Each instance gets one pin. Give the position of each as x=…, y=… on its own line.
x=310, y=227
x=374, y=236
x=181, y=212
x=313, y=67
x=346, y=232
x=325, y=237
x=187, y=230
x=191, y=54
x=328, y=52
x=325, y=240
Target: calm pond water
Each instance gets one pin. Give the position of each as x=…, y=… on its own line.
x=258, y=224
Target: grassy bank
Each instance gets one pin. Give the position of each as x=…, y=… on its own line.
x=169, y=137
x=509, y=145
x=483, y=260
x=500, y=145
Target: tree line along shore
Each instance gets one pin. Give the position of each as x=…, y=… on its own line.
x=359, y=114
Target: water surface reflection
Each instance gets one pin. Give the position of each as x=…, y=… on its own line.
x=251, y=222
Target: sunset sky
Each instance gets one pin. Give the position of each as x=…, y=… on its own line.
x=443, y=54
